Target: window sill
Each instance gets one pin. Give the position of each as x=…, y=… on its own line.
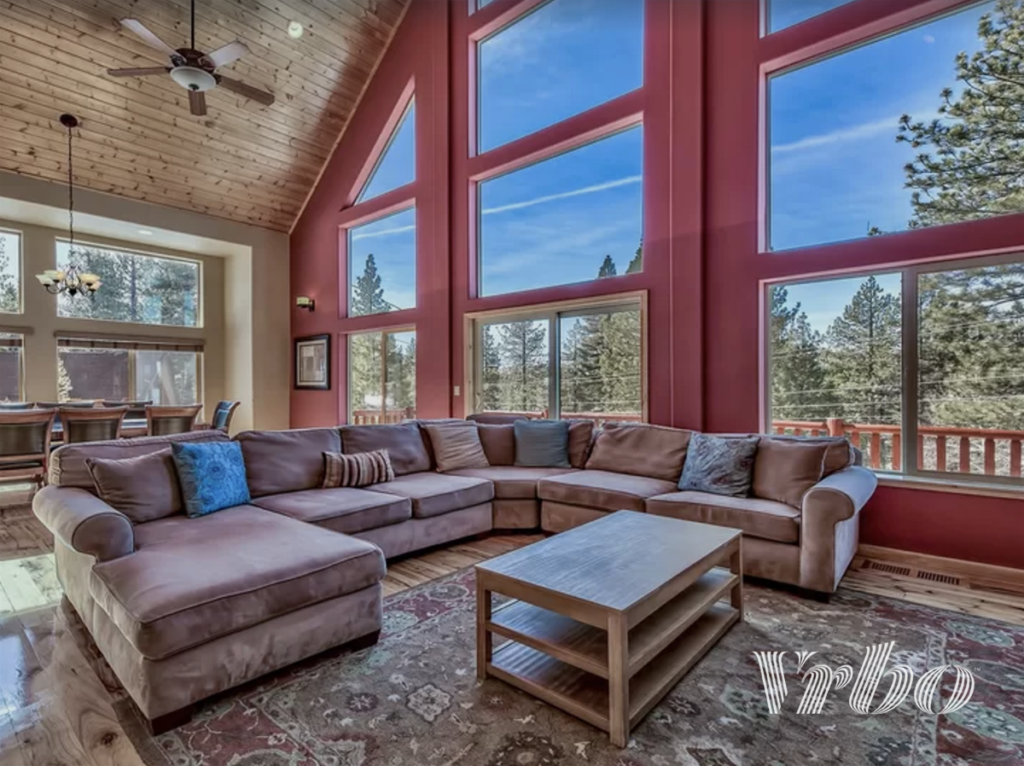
x=951, y=486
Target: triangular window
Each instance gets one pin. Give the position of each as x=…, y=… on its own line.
x=397, y=164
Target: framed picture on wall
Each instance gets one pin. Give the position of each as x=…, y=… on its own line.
x=313, y=362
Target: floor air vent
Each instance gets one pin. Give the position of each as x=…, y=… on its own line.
x=936, y=577
x=881, y=566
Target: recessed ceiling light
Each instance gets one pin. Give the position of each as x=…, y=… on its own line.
x=294, y=29
x=145, y=232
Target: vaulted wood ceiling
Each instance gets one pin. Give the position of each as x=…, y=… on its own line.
x=242, y=161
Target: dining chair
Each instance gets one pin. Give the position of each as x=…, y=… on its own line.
x=16, y=406
x=25, y=444
x=83, y=405
x=222, y=415
x=162, y=420
x=136, y=410
x=91, y=425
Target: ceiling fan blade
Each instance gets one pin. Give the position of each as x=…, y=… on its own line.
x=197, y=102
x=138, y=71
x=235, y=86
x=227, y=54
x=136, y=26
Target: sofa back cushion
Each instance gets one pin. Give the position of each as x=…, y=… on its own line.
x=785, y=469
x=405, y=443
x=286, y=461
x=581, y=439
x=499, y=442
x=456, y=445
x=143, y=488
x=657, y=452
x=67, y=463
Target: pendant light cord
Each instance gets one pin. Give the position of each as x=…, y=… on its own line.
x=71, y=199
x=193, y=24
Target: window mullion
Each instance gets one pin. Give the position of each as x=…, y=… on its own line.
x=909, y=398
x=383, y=377
x=555, y=363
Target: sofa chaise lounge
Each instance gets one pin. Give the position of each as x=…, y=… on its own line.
x=184, y=608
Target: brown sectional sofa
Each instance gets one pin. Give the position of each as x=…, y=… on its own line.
x=184, y=608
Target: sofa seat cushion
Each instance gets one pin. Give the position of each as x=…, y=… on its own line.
x=602, y=490
x=766, y=519
x=512, y=482
x=433, y=494
x=345, y=509
x=192, y=580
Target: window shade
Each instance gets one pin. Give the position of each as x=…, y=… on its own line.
x=134, y=344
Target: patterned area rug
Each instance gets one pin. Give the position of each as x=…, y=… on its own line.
x=414, y=700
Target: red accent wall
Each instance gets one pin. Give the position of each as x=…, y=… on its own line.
x=704, y=268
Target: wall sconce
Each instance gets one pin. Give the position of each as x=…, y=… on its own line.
x=304, y=302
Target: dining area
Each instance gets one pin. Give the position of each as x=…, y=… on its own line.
x=30, y=431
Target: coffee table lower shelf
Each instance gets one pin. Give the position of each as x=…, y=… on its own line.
x=585, y=695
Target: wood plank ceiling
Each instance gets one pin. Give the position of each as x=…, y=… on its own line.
x=242, y=161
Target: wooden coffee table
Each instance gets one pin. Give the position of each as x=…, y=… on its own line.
x=609, y=616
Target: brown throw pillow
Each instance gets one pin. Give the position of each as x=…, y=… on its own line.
x=784, y=470
x=359, y=470
x=456, y=445
x=581, y=435
x=143, y=488
x=499, y=442
x=657, y=452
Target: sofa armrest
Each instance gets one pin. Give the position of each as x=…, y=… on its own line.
x=841, y=495
x=830, y=526
x=84, y=523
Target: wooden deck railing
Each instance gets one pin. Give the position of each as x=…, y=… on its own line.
x=376, y=417
x=1000, y=450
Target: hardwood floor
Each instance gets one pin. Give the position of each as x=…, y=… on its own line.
x=56, y=711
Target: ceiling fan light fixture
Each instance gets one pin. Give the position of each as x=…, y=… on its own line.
x=295, y=29
x=193, y=78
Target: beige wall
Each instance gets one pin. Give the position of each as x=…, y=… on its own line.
x=246, y=296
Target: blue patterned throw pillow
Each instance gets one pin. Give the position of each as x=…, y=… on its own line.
x=718, y=465
x=212, y=476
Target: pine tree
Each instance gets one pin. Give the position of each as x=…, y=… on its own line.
x=864, y=362
x=524, y=355
x=974, y=169
x=798, y=385
x=636, y=264
x=367, y=292
x=490, y=371
x=607, y=268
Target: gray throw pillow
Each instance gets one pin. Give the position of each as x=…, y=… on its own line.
x=542, y=443
x=718, y=465
x=143, y=488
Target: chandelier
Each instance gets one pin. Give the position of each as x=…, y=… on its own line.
x=71, y=280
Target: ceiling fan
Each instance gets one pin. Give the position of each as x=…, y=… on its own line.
x=192, y=69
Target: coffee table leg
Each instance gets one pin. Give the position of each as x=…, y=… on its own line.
x=736, y=566
x=483, y=636
x=618, y=679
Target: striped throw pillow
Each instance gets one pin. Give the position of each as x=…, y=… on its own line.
x=357, y=470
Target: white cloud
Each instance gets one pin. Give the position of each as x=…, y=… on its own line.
x=564, y=195
x=383, y=232
x=843, y=135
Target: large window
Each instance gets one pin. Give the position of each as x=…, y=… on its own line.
x=128, y=371
x=917, y=129
x=573, y=363
x=382, y=265
x=565, y=57
x=10, y=367
x=10, y=271
x=381, y=377
x=934, y=387
x=571, y=218
x=144, y=289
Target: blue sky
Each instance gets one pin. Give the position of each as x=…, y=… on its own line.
x=836, y=168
